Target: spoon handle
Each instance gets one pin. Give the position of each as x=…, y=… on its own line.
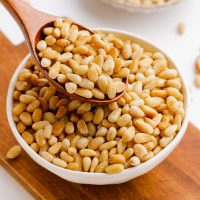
x=29, y=20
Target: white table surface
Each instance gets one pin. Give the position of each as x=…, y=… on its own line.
x=161, y=28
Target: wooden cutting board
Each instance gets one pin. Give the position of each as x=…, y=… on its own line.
x=177, y=178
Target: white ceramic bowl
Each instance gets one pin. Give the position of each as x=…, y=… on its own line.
x=100, y=178
x=142, y=9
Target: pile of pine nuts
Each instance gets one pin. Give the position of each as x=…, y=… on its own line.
x=110, y=138
x=87, y=64
x=144, y=3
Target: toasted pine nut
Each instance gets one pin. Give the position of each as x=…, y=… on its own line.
x=165, y=141
x=170, y=130
x=28, y=137
x=114, y=115
x=19, y=108
x=35, y=147
x=134, y=161
x=121, y=146
x=47, y=156
x=54, y=149
x=140, y=151
x=174, y=92
x=111, y=90
x=124, y=120
x=108, y=145
x=94, y=164
x=168, y=74
x=66, y=157
x=98, y=94
x=59, y=162
x=101, y=167
x=127, y=51
x=142, y=138
x=128, y=134
x=82, y=143
x=13, y=152
x=128, y=153
x=87, y=84
x=103, y=156
x=172, y=104
x=143, y=127
x=69, y=128
x=82, y=127
x=157, y=150
x=117, y=158
x=84, y=93
x=111, y=134
x=87, y=152
x=98, y=116
x=40, y=139
x=95, y=143
x=58, y=128
x=101, y=132
x=113, y=169
x=86, y=163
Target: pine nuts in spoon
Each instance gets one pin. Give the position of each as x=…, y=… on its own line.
x=81, y=51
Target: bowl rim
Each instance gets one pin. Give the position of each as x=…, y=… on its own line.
x=51, y=167
x=137, y=8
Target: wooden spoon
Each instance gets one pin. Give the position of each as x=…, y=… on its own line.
x=32, y=22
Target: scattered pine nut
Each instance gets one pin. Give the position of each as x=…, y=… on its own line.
x=13, y=152
x=181, y=28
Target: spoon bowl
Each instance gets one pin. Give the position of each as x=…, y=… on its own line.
x=32, y=23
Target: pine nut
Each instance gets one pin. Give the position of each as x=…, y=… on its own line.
x=28, y=137
x=40, y=139
x=114, y=115
x=134, y=161
x=124, y=120
x=58, y=128
x=108, y=145
x=143, y=127
x=103, y=156
x=87, y=152
x=47, y=156
x=66, y=157
x=111, y=90
x=128, y=153
x=86, y=163
x=13, y=152
x=59, y=162
x=128, y=134
x=54, y=149
x=95, y=143
x=98, y=116
x=101, y=167
x=140, y=150
x=82, y=143
x=82, y=127
x=142, y=138
x=113, y=169
x=84, y=93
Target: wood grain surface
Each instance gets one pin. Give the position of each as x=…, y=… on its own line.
x=177, y=178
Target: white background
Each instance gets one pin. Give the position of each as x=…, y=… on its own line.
x=161, y=28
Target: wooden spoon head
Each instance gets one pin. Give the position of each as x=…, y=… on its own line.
x=59, y=87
